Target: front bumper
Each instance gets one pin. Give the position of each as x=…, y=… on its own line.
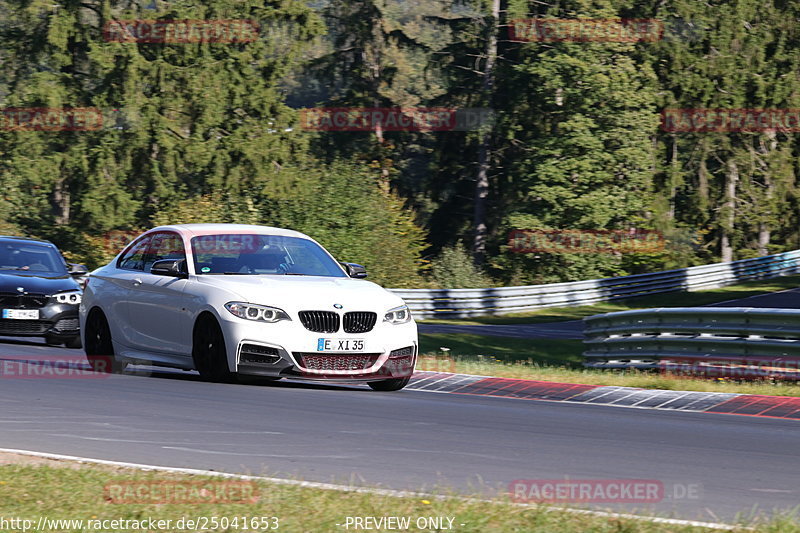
x=59, y=321
x=287, y=349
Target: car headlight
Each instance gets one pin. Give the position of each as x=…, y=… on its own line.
x=398, y=315
x=72, y=297
x=261, y=313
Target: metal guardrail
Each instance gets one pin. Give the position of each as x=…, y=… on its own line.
x=460, y=303
x=732, y=341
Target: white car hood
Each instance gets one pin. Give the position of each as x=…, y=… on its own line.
x=305, y=292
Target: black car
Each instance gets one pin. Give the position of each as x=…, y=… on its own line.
x=39, y=296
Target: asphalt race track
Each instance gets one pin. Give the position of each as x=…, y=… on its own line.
x=404, y=440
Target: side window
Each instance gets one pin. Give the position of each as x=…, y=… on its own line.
x=164, y=246
x=133, y=257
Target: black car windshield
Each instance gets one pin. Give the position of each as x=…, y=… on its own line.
x=247, y=254
x=31, y=257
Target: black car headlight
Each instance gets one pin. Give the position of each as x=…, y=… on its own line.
x=71, y=297
x=398, y=315
x=260, y=313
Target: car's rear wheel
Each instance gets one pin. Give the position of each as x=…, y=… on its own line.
x=388, y=385
x=99, y=348
x=209, y=353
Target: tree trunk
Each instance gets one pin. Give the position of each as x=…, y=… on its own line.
x=764, y=235
x=729, y=212
x=484, y=148
x=702, y=185
x=61, y=202
x=673, y=178
x=764, y=231
x=374, y=62
x=384, y=177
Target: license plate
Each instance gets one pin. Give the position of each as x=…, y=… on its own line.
x=21, y=314
x=340, y=345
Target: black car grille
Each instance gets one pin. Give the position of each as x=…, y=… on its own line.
x=67, y=324
x=339, y=361
x=402, y=352
x=264, y=355
x=320, y=321
x=359, y=321
x=12, y=327
x=15, y=300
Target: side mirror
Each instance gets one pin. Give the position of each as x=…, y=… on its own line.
x=75, y=270
x=175, y=268
x=354, y=270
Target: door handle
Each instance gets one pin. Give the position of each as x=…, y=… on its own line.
x=137, y=281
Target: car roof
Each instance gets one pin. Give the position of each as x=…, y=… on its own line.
x=14, y=238
x=193, y=230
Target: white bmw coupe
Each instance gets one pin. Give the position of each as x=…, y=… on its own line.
x=229, y=299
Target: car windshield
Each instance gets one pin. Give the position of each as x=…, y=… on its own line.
x=31, y=257
x=262, y=254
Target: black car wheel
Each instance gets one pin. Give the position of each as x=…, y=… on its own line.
x=99, y=348
x=388, y=385
x=209, y=353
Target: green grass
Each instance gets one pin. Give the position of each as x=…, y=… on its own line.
x=507, y=349
x=669, y=299
x=56, y=492
x=561, y=361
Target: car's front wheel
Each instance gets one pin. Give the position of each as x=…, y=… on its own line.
x=209, y=353
x=99, y=348
x=388, y=385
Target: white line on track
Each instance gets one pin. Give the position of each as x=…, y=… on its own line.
x=214, y=452
x=360, y=490
x=113, y=439
x=749, y=297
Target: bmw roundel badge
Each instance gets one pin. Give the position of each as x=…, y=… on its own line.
x=337, y=306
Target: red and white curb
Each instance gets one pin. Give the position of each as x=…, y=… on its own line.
x=787, y=407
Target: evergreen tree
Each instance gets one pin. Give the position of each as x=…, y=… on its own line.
x=191, y=117
x=580, y=132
